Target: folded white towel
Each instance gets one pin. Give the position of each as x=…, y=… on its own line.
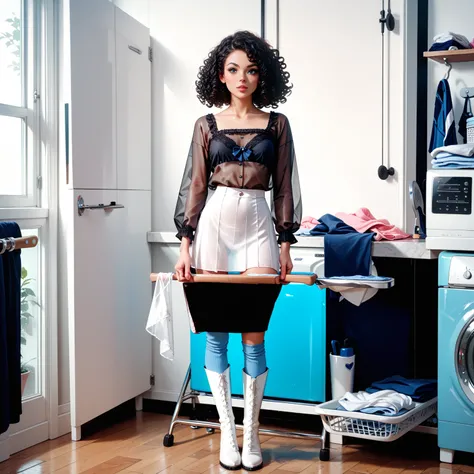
x=160, y=323
x=466, y=149
x=389, y=401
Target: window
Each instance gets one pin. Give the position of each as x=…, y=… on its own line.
x=19, y=108
x=31, y=318
x=28, y=144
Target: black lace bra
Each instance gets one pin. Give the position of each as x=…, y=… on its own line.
x=259, y=149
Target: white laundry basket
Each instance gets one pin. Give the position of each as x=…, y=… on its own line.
x=375, y=427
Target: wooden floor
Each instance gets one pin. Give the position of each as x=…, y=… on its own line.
x=135, y=446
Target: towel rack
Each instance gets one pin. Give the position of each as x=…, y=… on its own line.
x=15, y=243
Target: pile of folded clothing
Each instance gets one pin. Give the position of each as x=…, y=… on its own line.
x=450, y=41
x=419, y=390
x=453, y=156
x=382, y=402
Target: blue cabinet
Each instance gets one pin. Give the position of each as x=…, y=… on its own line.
x=296, y=349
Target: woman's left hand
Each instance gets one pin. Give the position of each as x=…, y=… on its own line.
x=286, y=265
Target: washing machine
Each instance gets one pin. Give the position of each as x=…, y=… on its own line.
x=455, y=354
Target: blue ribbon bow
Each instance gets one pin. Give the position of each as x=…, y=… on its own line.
x=241, y=153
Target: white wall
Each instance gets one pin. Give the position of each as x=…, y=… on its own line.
x=138, y=9
x=335, y=64
x=183, y=33
x=335, y=110
x=455, y=16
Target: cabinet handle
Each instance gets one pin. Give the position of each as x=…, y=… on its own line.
x=66, y=139
x=134, y=49
x=81, y=207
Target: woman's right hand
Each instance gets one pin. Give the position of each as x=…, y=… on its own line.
x=183, y=266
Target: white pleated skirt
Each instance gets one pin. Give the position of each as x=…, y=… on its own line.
x=235, y=232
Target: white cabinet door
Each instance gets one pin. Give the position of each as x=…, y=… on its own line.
x=110, y=350
x=109, y=264
x=133, y=103
x=93, y=89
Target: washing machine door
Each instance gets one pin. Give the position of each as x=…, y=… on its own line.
x=465, y=359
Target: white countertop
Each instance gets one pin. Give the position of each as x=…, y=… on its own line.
x=407, y=248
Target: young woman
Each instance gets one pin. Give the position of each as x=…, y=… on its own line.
x=239, y=154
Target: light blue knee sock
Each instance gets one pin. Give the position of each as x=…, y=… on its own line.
x=216, y=351
x=255, y=360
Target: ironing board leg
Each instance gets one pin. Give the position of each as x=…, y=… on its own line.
x=323, y=439
x=169, y=438
x=187, y=378
x=324, y=452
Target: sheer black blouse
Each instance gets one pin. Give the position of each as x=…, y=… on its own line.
x=260, y=158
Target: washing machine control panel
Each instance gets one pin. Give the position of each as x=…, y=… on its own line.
x=461, y=271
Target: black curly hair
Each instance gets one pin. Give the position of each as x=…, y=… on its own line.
x=273, y=84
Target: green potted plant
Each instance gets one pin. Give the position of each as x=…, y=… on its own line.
x=28, y=297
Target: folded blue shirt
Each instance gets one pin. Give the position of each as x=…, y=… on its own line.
x=420, y=390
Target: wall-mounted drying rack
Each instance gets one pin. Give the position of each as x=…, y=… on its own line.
x=11, y=243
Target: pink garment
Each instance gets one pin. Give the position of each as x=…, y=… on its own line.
x=362, y=220
x=308, y=222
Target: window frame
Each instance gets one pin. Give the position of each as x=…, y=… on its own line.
x=30, y=110
x=40, y=209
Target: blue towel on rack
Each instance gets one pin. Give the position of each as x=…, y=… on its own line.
x=444, y=128
x=346, y=251
x=420, y=390
x=10, y=358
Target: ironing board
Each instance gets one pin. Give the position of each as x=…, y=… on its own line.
x=204, y=317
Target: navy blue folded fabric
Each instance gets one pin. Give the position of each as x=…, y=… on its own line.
x=346, y=251
x=446, y=45
x=420, y=390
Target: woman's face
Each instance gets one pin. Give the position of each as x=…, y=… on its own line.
x=240, y=75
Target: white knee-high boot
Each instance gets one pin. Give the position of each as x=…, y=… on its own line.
x=229, y=455
x=253, y=396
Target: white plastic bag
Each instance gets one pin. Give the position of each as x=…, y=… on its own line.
x=160, y=323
